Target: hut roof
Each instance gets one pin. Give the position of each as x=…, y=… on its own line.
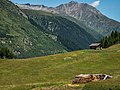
x=95, y=44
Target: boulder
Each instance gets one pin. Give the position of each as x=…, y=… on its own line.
x=85, y=78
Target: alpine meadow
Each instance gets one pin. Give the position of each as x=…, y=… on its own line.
x=72, y=46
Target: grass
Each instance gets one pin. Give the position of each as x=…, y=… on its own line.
x=57, y=71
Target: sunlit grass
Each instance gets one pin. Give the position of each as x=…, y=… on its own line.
x=57, y=71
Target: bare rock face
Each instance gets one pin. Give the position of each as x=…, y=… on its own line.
x=85, y=78
x=37, y=7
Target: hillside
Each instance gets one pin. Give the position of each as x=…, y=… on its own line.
x=91, y=31
x=23, y=38
x=57, y=71
x=67, y=32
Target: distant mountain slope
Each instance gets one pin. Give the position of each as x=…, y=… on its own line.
x=23, y=38
x=67, y=32
x=94, y=33
x=83, y=13
x=90, y=16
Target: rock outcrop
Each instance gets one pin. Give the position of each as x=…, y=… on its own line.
x=85, y=78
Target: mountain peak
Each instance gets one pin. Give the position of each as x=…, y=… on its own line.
x=73, y=2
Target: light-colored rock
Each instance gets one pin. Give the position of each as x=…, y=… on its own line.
x=84, y=78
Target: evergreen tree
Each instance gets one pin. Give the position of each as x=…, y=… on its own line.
x=112, y=39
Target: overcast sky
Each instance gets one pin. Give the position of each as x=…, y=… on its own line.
x=110, y=8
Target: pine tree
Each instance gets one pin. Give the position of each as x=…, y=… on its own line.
x=112, y=39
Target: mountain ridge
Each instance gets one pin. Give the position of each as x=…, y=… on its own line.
x=85, y=13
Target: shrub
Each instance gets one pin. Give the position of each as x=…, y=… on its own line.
x=6, y=53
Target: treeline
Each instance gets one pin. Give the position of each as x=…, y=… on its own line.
x=6, y=53
x=112, y=39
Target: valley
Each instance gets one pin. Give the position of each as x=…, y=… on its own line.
x=44, y=48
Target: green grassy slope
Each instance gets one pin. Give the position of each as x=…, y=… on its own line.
x=23, y=38
x=57, y=71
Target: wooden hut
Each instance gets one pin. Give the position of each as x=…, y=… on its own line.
x=95, y=46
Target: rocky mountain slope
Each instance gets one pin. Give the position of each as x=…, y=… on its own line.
x=84, y=13
x=89, y=16
x=23, y=38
